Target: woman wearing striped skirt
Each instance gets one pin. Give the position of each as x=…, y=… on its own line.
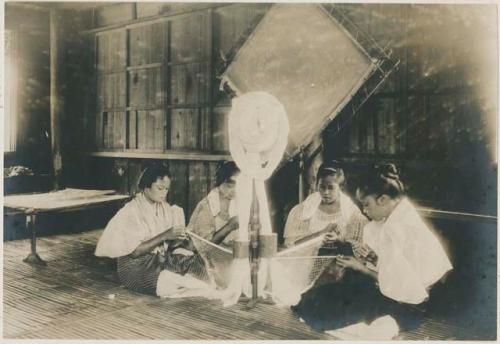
x=147, y=236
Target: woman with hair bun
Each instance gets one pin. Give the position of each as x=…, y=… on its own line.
x=215, y=217
x=410, y=257
x=406, y=260
x=145, y=234
x=328, y=210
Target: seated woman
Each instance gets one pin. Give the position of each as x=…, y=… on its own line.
x=327, y=211
x=144, y=234
x=215, y=218
x=407, y=260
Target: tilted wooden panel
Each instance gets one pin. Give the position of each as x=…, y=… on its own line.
x=146, y=44
x=189, y=38
x=189, y=84
x=184, y=132
x=151, y=132
x=313, y=78
x=146, y=88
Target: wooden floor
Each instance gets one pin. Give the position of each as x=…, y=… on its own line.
x=69, y=299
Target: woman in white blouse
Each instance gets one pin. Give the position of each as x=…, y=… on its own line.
x=406, y=259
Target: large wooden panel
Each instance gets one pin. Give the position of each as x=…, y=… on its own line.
x=111, y=50
x=146, y=44
x=189, y=38
x=220, y=129
x=146, y=88
x=111, y=91
x=189, y=84
x=151, y=130
x=185, y=129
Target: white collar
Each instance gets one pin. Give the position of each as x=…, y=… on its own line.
x=312, y=202
x=213, y=199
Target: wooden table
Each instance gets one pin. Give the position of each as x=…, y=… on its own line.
x=57, y=201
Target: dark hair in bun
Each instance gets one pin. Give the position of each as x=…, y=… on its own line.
x=225, y=170
x=151, y=173
x=382, y=179
x=331, y=168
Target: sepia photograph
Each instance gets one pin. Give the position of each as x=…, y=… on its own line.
x=249, y=171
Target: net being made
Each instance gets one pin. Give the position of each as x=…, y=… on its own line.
x=217, y=259
x=292, y=271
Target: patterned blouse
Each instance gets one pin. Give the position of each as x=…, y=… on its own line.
x=208, y=217
x=349, y=220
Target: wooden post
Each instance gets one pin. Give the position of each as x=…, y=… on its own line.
x=254, y=246
x=33, y=258
x=55, y=98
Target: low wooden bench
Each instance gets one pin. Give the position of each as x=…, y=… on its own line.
x=57, y=202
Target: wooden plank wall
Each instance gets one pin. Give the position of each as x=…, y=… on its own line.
x=434, y=116
x=156, y=83
x=157, y=90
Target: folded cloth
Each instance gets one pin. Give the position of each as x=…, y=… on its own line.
x=383, y=328
x=173, y=285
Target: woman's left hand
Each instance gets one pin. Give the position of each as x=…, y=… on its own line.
x=350, y=263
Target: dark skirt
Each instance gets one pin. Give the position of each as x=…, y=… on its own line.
x=141, y=274
x=353, y=299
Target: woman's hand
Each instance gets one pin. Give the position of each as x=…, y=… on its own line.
x=354, y=264
x=333, y=232
x=350, y=263
x=364, y=251
x=175, y=233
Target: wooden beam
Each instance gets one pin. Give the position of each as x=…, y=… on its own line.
x=55, y=98
x=456, y=216
x=167, y=155
x=28, y=6
x=154, y=19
